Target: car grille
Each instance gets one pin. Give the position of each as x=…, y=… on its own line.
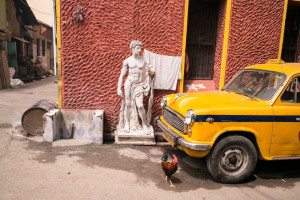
x=172, y=119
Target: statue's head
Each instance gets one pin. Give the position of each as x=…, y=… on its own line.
x=135, y=43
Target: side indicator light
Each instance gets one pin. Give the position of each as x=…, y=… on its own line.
x=189, y=132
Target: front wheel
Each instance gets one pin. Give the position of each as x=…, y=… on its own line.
x=232, y=159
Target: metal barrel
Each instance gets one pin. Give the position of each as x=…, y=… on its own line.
x=32, y=119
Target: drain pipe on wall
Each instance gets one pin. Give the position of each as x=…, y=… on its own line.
x=58, y=46
x=225, y=44
x=54, y=35
x=282, y=28
x=186, y=13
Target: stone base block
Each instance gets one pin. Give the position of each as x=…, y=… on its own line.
x=129, y=138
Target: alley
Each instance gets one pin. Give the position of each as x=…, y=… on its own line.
x=31, y=169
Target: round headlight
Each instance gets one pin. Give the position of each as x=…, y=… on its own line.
x=189, y=117
x=163, y=101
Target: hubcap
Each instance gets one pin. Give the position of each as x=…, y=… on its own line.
x=234, y=160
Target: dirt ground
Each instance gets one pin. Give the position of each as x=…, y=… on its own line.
x=31, y=169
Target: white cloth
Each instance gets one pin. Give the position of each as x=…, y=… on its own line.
x=167, y=70
x=14, y=83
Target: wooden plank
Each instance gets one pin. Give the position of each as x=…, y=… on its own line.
x=0, y=84
x=2, y=72
x=6, y=69
x=2, y=79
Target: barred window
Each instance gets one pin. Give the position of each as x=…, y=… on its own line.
x=43, y=47
x=38, y=47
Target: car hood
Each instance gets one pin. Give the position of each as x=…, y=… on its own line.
x=210, y=102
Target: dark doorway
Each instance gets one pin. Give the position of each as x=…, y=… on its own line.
x=12, y=54
x=291, y=35
x=201, y=39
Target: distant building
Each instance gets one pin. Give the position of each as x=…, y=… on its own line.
x=19, y=33
x=42, y=45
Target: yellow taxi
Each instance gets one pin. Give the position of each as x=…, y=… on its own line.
x=256, y=115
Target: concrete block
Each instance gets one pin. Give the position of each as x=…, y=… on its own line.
x=51, y=123
x=74, y=124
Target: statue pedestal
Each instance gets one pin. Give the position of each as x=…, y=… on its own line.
x=138, y=137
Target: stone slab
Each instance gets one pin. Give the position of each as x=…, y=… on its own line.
x=72, y=142
x=74, y=124
x=137, y=139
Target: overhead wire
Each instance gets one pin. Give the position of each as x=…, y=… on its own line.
x=26, y=4
x=40, y=11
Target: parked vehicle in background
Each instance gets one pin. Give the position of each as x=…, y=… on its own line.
x=256, y=115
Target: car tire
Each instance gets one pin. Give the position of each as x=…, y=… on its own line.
x=232, y=159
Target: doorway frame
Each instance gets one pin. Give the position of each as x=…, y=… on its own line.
x=286, y=4
x=225, y=44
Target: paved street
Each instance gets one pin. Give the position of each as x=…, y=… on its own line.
x=31, y=169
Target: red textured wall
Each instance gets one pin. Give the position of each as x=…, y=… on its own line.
x=93, y=51
x=255, y=28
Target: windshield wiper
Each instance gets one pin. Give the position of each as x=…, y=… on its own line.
x=248, y=95
x=225, y=90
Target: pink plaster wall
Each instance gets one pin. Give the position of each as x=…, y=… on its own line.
x=198, y=85
x=93, y=51
x=255, y=28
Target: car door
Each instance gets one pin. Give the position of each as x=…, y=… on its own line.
x=286, y=126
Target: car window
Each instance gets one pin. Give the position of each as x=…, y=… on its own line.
x=292, y=92
x=256, y=83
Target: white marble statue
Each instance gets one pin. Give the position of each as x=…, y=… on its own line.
x=139, y=83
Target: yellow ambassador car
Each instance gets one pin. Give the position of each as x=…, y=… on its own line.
x=256, y=115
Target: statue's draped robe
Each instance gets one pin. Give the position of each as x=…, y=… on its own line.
x=137, y=89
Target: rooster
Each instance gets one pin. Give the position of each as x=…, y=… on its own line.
x=169, y=167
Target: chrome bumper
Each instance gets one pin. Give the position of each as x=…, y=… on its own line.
x=177, y=140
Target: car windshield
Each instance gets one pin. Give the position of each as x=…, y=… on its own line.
x=255, y=83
